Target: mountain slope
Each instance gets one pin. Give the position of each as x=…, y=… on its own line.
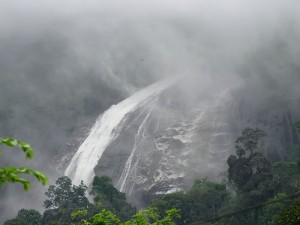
x=158, y=140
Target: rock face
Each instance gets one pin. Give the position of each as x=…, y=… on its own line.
x=165, y=142
x=166, y=145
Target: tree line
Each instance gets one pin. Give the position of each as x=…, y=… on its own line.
x=256, y=191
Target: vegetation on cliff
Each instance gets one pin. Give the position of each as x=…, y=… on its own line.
x=256, y=191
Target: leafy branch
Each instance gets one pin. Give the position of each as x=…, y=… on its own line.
x=11, y=174
x=25, y=147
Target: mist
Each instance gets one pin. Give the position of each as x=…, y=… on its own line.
x=62, y=63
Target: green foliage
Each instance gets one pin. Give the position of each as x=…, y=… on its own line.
x=260, y=188
x=79, y=214
x=107, y=196
x=242, y=168
x=290, y=215
x=103, y=189
x=259, y=182
x=173, y=200
x=144, y=217
x=203, y=201
x=205, y=198
x=233, y=205
x=83, y=222
x=248, y=141
x=287, y=175
x=12, y=174
x=66, y=195
x=239, y=171
x=268, y=213
x=63, y=199
x=251, y=175
x=105, y=218
x=26, y=217
x=25, y=147
x=150, y=216
x=171, y=216
x=67, y=204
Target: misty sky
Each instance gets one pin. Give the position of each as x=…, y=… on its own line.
x=62, y=63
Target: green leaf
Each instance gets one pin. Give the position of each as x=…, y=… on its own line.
x=11, y=174
x=10, y=142
x=26, y=148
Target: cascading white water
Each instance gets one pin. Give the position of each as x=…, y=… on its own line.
x=105, y=130
x=128, y=164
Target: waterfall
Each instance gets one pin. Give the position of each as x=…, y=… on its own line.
x=106, y=130
x=128, y=165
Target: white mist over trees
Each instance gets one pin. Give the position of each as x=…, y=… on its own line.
x=62, y=63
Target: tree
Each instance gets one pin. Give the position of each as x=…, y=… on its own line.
x=107, y=196
x=290, y=215
x=247, y=172
x=203, y=201
x=248, y=141
x=173, y=200
x=80, y=215
x=287, y=176
x=26, y=217
x=251, y=175
x=103, y=189
x=11, y=174
x=105, y=217
x=66, y=195
x=268, y=213
x=148, y=216
x=239, y=171
x=63, y=199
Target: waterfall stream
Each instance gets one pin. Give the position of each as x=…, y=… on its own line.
x=105, y=130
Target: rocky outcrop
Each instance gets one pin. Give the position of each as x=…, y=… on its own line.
x=167, y=141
